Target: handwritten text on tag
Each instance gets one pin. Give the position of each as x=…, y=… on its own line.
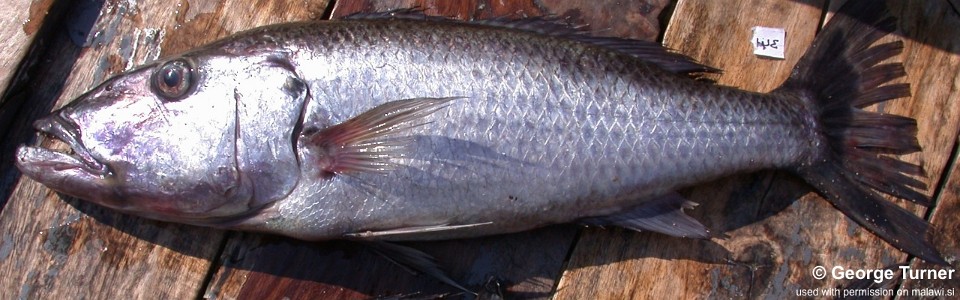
x=769, y=42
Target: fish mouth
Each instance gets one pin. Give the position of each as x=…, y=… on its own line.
x=77, y=157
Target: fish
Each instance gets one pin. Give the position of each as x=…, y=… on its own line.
x=397, y=126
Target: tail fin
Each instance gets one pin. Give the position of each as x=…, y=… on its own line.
x=840, y=74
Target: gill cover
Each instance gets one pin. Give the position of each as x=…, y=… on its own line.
x=267, y=118
x=268, y=99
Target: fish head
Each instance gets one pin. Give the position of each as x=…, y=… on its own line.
x=195, y=139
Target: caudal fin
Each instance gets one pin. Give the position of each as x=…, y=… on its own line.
x=841, y=73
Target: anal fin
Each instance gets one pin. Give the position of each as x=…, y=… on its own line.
x=663, y=214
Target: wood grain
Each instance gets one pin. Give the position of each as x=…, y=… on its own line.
x=932, y=57
x=632, y=19
x=53, y=246
x=21, y=21
x=20, y=54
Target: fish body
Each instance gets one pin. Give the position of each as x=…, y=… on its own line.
x=401, y=127
x=541, y=147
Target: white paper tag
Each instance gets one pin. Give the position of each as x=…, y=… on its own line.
x=769, y=42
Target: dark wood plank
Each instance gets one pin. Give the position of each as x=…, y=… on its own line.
x=771, y=244
x=631, y=19
x=21, y=21
x=932, y=57
x=20, y=57
x=58, y=247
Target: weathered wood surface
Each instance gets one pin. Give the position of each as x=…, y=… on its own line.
x=776, y=230
x=632, y=19
x=21, y=21
x=932, y=58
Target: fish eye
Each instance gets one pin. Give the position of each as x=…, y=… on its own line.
x=173, y=79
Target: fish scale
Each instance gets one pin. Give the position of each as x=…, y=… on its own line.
x=649, y=142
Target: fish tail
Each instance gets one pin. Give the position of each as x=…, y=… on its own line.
x=852, y=166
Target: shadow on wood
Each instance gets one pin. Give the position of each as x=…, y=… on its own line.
x=38, y=80
x=526, y=263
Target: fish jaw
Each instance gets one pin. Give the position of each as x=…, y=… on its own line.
x=64, y=173
x=62, y=129
x=77, y=174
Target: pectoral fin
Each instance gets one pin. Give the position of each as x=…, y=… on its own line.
x=663, y=214
x=371, y=141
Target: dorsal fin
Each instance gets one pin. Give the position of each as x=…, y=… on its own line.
x=650, y=52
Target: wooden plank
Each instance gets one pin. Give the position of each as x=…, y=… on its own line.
x=771, y=245
x=932, y=58
x=526, y=264
x=21, y=21
x=944, y=235
x=52, y=248
x=633, y=19
x=20, y=55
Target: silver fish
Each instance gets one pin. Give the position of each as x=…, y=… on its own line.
x=397, y=126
